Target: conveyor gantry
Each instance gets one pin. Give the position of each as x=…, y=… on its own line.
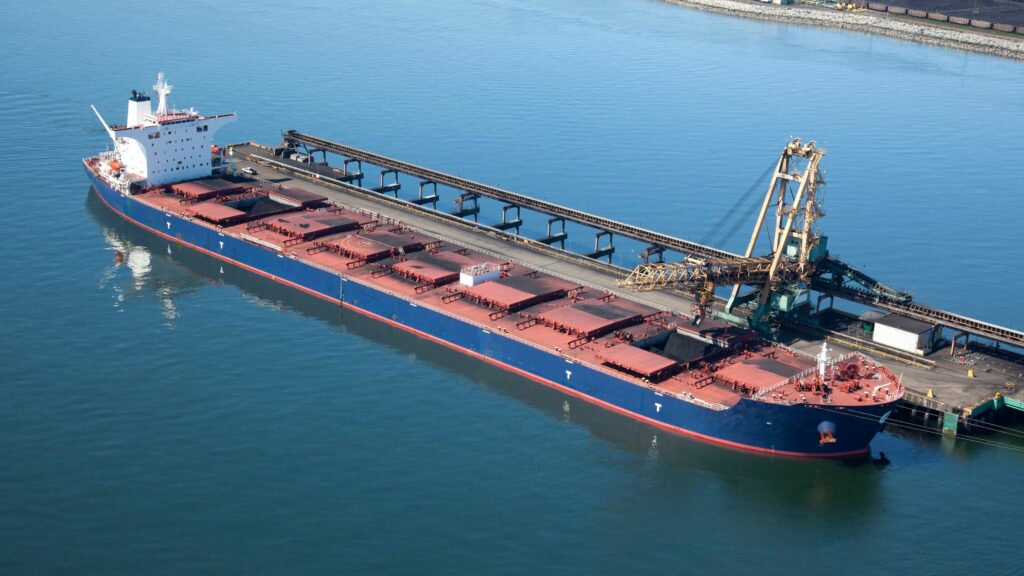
x=924, y=313
x=658, y=242
x=613, y=226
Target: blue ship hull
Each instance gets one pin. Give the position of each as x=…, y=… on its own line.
x=751, y=425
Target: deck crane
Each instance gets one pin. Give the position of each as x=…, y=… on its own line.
x=784, y=275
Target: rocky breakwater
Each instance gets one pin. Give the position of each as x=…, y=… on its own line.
x=866, y=22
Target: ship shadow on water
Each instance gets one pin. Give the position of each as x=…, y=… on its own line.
x=671, y=456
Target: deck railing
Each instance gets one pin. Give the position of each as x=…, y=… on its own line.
x=760, y=394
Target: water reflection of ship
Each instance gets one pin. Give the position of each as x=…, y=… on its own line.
x=135, y=273
x=672, y=454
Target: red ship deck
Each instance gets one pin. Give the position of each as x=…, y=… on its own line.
x=516, y=292
x=308, y=225
x=372, y=246
x=639, y=361
x=435, y=269
x=713, y=363
x=207, y=188
x=591, y=318
x=216, y=212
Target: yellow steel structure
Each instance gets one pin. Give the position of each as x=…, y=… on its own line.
x=792, y=190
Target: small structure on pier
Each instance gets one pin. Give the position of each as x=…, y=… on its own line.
x=906, y=334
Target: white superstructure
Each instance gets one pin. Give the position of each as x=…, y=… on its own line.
x=162, y=147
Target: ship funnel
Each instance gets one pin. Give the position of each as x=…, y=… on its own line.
x=138, y=108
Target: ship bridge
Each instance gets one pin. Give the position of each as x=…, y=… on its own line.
x=164, y=146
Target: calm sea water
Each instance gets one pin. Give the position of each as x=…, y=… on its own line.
x=175, y=416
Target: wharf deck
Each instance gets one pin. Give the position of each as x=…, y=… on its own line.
x=952, y=390
x=959, y=380
x=470, y=191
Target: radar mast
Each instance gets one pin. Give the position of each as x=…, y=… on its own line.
x=163, y=89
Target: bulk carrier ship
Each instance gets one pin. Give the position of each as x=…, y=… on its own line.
x=681, y=372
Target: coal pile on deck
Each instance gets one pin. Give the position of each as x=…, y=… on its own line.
x=261, y=206
x=683, y=349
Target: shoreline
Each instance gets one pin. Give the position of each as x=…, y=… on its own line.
x=865, y=22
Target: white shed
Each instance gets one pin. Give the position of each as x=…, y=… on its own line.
x=906, y=334
x=479, y=273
